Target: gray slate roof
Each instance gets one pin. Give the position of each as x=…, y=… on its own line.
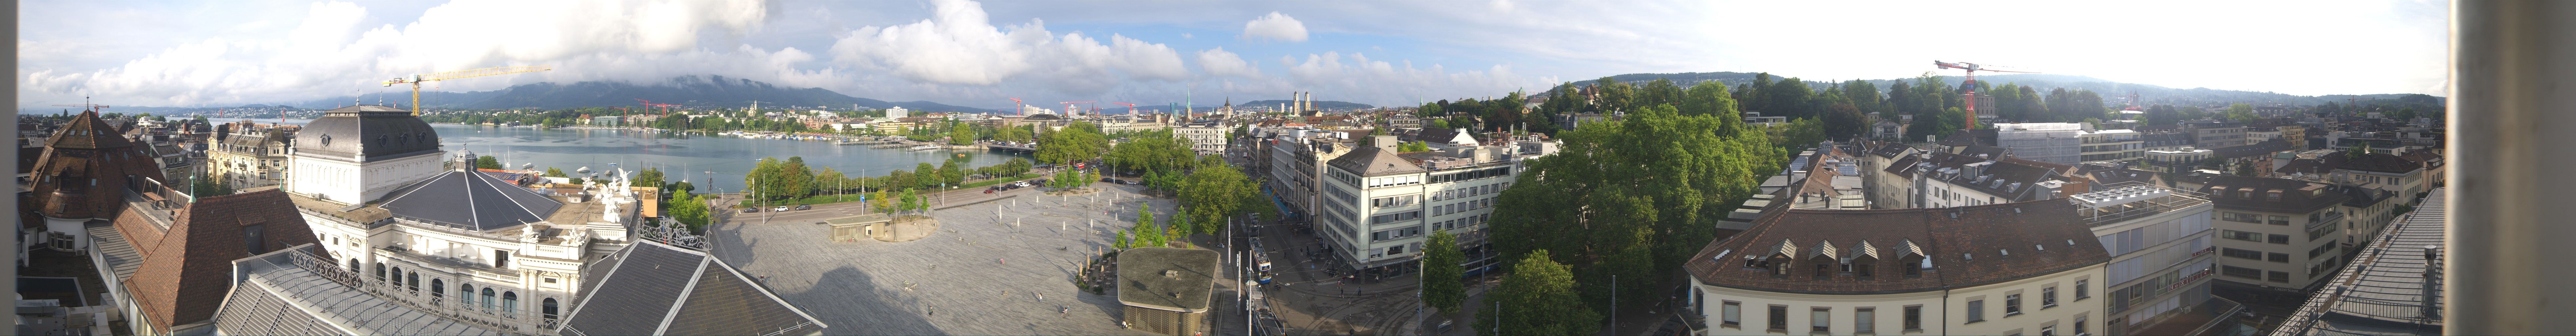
x=472, y=200
x=1371, y=161
x=365, y=133
x=278, y=297
x=642, y=283
x=111, y=245
x=1142, y=280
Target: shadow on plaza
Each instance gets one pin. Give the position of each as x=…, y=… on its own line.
x=845, y=299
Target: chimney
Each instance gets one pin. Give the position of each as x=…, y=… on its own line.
x=1383, y=142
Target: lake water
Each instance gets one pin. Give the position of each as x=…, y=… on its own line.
x=697, y=158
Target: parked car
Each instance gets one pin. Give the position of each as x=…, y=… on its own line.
x=1109, y=180
x=805, y=207
x=777, y=209
x=750, y=210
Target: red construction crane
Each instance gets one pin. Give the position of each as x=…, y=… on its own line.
x=666, y=108
x=1070, y=110
x=1131, y=107
x=1018, y=108
x=1970, y=84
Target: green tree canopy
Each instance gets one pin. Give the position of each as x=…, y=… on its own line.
x=1541, y=298
x=1441, y=287
x=487, y=162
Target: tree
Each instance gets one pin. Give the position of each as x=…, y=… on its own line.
x=1801, y=133
x=552, y=172
x=648, y=177
x=1122, y=243
x=1439, y=123
x=2240, y=112
x=1541, y=298
x=2356, y=151
x=575, y=180
x=689, y=210
x=210, y=187
x=1634, y=197
x=1414, y=146
x=2245, y=168
x=483, y=162
x=1145, y=213
x=1441, y=288
x=1843, y=121
x=1216, y=192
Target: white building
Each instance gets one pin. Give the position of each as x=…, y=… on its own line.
x=2058, y=143
x=2159, y=242
x=897, y=112
x=2113, y=145
x=1379, y=206
x=1205, y=136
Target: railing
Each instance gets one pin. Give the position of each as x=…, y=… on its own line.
x=457, y=228
x=450, y=262
x=325, y=268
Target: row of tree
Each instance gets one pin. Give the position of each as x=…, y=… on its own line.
x=774, y=179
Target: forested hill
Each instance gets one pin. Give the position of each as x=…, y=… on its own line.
x=690, y=91
x=2111, y=91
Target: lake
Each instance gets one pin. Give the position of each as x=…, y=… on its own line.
x=711, y=162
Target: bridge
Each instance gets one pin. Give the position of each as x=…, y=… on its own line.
x=998, y=146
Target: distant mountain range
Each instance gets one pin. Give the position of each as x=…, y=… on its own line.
x=2112, y=92
x=689, y=91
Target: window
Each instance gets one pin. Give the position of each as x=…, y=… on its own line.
x=413, y=282
x=550, y=308
x=1914, y=318
x=1865, y=320
x=2241, y=272
x=1398, y=249
x=487, y=298
x=2285, y=220
x=2280, y=239
x=1820, y=320
x=2012, y=304
x=1976, y=311
x=2047, y=297
x=501, y=258
x=2242, y=235
x=1382, y=202
x=61, y=241
x=251, y=238
x=2079, y=324
x=510, y=302
x=2279, y=276
x=437, y=288
x=1863, y=269
x=2240, y=217
x=380, y=271
x=2080, y=292
x=2051, y=330
x=2321, y=249
x=2243, y=254
x=1779, y=318
x=1732, y=315
x=2280, y=257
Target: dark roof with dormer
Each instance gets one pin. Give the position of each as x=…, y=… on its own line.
x=85, y=169
x=365, y=133
x=2254, y=194
x=1968, y=246
x=2259, y=149
x=187, y=264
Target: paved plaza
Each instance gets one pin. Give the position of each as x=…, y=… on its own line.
x=956, y=281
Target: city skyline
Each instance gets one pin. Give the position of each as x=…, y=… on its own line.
x=976, y=53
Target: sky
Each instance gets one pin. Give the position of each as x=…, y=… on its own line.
x=198, y=53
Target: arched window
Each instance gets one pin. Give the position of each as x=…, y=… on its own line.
x=487, y=298
x=466, y=290
x=437, y=288
x=413, y=282
x=550, y=308
x=380, y=270
x=353, y=267
x=510, y=302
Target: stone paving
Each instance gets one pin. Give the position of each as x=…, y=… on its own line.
x=978, y=275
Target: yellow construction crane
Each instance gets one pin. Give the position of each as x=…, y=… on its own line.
x=415, y=79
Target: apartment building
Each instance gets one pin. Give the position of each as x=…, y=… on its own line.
x=2112, y=145
x=2159, y=242
x=2031, y=268
x=2216, y=135
x=1940, y=180
x=1205, y=136
x=247, y=154
x=2279, y=234
x=1295, y=163
x=2059, y=143
x=1380, y=205
x=2375, y=170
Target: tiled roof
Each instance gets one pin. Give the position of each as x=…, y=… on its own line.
x=2254, y=194
x=1987, y=152
x=85, y=168
x=2382, y=163
x=187, y=268
x=2265, y=149
x=644, y=284
x=1968, y=246
x=1888, y=149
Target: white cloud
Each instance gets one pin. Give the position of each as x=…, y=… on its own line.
x=959, y=45
x=331, y=50
x=1275, y=27
x=1220, y=63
